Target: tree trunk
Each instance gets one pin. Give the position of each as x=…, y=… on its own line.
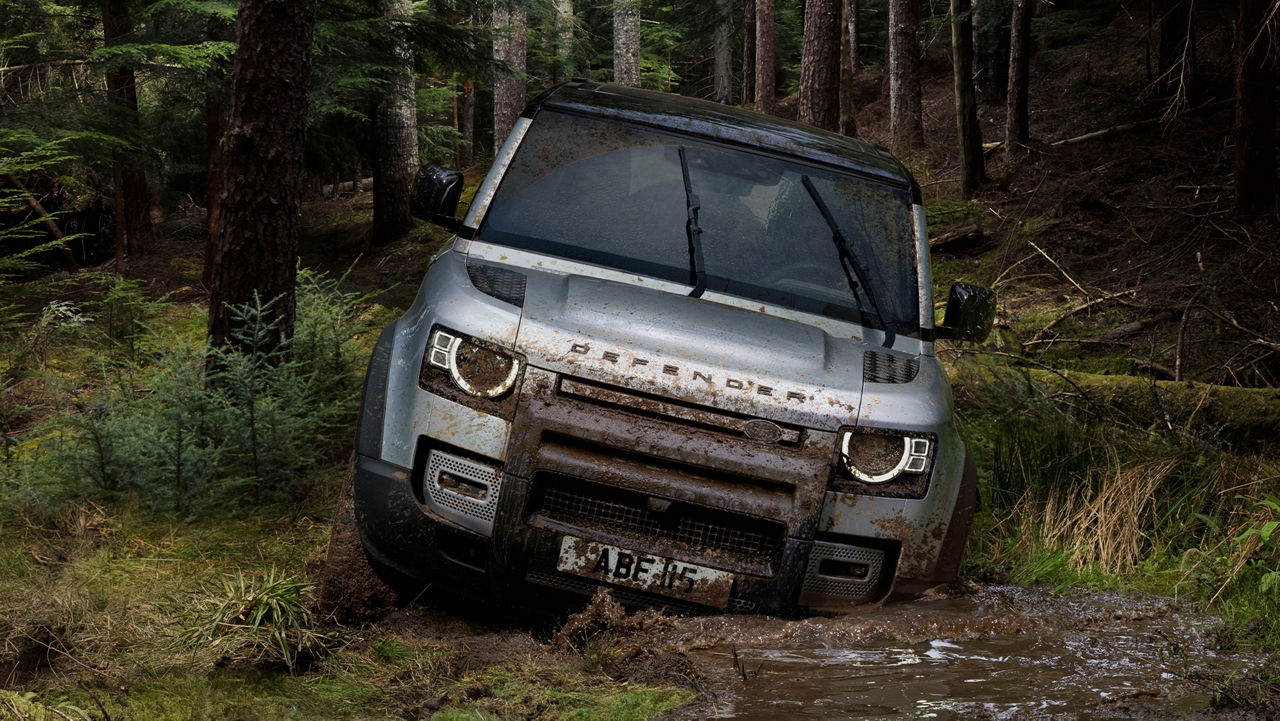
x=509, y=22
x=723, y=73
x=1177, y=52
x=626, y=42
x=467, y=126
x=906, y=126
x=215, y=122
x=766, y=100
x=395, y=130
x=991, y=52
x=820, y=65
x=262, y=168
x=970, y=135
x=1017, y=117
x=854, y=29
x=562, y=11
x=848, y=112
x=122, y=90
x=749, y=54
x=1255, y=110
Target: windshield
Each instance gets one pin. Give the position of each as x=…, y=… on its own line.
x=613, y=194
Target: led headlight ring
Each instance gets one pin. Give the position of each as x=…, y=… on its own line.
x=914, y=459
x=443, y=353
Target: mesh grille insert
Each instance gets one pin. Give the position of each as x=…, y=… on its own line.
x=462, y=491
x=879, y=367
x=632, y=515
x=858, y=589
x=501, y=283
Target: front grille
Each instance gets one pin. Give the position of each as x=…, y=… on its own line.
x=461, y=490
x=709, y=533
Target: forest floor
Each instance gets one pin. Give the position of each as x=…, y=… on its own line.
x=1135, y=352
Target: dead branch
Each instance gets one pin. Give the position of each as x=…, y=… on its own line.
x=1039, y=336
x=1137, y=326
x=1060, y=268
x=67, y=256
x=1259, y=339
x=1156, y=369
x=1130, y=126
x=959, y=241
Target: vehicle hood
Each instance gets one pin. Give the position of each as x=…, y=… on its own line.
x=691, y=350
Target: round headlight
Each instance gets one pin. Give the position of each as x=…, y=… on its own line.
x=477, y=370
x=879, y=458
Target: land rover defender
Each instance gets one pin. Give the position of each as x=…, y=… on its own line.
x=677, y=349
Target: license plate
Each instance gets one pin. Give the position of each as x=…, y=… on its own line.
x=645, y=571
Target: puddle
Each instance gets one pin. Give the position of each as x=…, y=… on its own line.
x=999, y=653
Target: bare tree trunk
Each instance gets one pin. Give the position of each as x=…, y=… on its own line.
x=1255, y=110
x=970, y=135
x=562, y=11
x=906, y=126
x=820, y=65
x=122, y=89
x=991, y=52
x=467, y=126
x=215, y=122
x=68, y=257
x=509, y=22
x=749, y=54
x=723, y=82
x=262, y=169
x=626, y=42
x=848, y=121
x=395, y=129
x=766, y=100
x=1017, y=117
x=854, y=29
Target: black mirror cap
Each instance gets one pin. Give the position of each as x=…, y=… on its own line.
x=436, y=192
x=971, y=309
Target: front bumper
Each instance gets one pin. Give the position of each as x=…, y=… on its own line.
x=636, y=477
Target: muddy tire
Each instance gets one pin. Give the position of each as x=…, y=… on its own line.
x=351, y=590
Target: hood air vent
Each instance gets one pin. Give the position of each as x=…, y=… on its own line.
x=881, y=367
x=501, y=283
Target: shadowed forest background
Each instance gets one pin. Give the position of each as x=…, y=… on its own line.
x=204, y=223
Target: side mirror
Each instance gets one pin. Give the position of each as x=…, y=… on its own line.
x=971, y=309
x=436, y=192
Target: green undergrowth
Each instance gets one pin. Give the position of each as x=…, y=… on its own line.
x=1124, y=483
x=164, y=520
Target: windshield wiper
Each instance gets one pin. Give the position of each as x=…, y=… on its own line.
x=693, y=231
x=848, y=263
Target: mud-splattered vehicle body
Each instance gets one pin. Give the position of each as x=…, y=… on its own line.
x=678, y=349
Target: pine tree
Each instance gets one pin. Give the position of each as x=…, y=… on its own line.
x=906, y=125
x=766, y=90
x=262, y=175
x=395, y=126
x=510, y=20
x=626, y=42
x=820, y=66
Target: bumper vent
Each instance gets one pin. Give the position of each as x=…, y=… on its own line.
x=462, y=491
x=880, y=367
x=501, y=283
x=840, y=574
x=625, y=515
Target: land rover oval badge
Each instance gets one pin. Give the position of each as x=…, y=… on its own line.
x=762, y=430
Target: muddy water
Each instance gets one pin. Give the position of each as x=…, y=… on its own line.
x=999, y=652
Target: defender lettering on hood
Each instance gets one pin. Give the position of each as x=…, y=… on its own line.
x=698, y=373
x=671, y=369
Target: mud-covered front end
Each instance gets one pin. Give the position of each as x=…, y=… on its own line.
x=687, y=453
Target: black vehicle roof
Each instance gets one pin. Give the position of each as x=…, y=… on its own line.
x=724, y=122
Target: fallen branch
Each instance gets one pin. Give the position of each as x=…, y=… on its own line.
x=1259, y=338
x=1039, y=336
x=1130, y=126
x=67, y=256
x=1060, y=268
x=959, y=241
x=1137, y=326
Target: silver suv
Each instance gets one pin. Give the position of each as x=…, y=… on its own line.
x=677, y=349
